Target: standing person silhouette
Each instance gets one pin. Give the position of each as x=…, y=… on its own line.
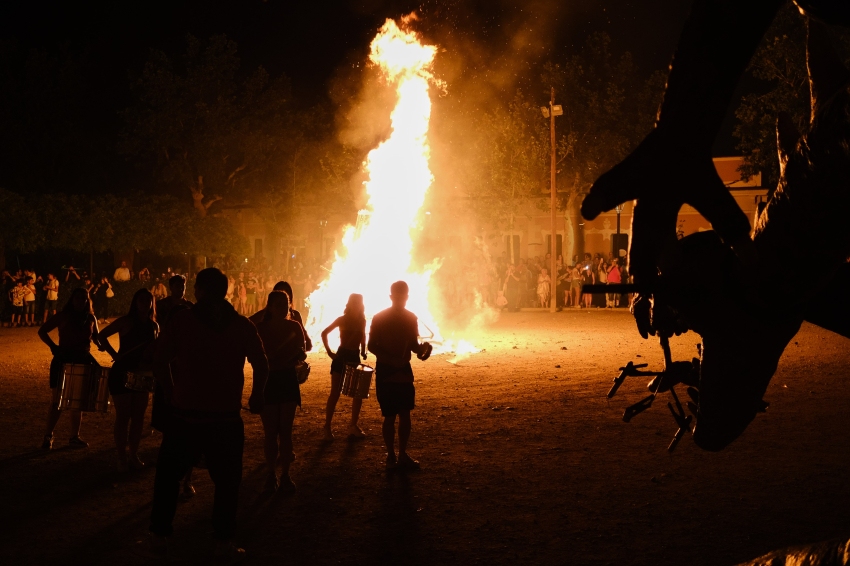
x=136, y=331
x=200, y=361
x=283, y=340
x=394, y=334
x=257, y=317
x=352, y=345
x=77, y=331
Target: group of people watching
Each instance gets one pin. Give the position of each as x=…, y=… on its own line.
x=29, y=299
x=197, y=354
x=528, y=283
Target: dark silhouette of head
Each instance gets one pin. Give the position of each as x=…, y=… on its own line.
x=399, y=292
x=210, y=285
x=177, y=284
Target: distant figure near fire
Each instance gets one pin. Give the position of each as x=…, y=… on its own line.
x=394, y=334
x=352, y=345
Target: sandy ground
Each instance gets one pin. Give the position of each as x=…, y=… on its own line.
x=524, y=462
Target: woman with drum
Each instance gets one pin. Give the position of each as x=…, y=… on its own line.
x=136, y=331
x=352, y=345
x=77, y=330
x=283, y=341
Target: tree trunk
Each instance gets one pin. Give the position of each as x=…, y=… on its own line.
x=572, y=230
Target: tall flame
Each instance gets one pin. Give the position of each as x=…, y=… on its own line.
x=378, y=250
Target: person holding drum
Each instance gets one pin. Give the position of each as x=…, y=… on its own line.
x=394, y=334
x=200, y=361
x=77, y=331
x=136, y=331
x=283, y=340
x=352, y=345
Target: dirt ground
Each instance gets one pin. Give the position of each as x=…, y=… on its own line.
x=524, y=461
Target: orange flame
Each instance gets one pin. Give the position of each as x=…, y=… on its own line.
x=378, y=250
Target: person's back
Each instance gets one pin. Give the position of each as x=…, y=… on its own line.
x=210, y=344
x=351, y=332
x=394, y=334
x=200, y=361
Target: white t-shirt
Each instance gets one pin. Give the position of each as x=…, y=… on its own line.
x=53, y=290
x=122, y=274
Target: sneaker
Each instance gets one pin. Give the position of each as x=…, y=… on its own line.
x=135, y=463
x=355, y=432
x=188, y=490
x=391, y=461
x=405, y=461
x=77, y=442
x=47, y=444
x=228, y=553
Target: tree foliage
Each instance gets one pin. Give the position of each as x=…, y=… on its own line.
x=160, y=224
x=608, y=108
x=780, y=61
x=200, y=125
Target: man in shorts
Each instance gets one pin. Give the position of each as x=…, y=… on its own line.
x=52, y=288
x=394, y=334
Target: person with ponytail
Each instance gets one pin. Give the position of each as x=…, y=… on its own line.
x=352, y=345
x=283, y=341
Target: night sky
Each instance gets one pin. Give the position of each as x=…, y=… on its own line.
x=311, y=41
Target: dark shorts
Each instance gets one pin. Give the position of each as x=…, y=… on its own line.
x=17, y=310
x=282, y=387
x=29, y=307
x=50, y=305
x=344, y=357
x=394, y=397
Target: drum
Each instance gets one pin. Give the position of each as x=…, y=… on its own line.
x=357, y=380
x=85, y=387
x=140, y=381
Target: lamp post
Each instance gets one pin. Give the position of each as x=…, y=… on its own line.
x=619, y=209
x=550, y=112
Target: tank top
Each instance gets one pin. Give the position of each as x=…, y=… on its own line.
x=76, y=335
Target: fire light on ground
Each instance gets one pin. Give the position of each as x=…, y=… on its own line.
x=378, y=250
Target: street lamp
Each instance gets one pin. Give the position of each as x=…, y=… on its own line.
x=550, y=112
x=619, y=209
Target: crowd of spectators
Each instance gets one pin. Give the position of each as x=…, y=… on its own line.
x=527, y=283
x=28, y=298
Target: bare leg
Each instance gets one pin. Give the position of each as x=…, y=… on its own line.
x=356, y=404
x=403, y=432
x=122, y=405
x=53, y=412
x=139, y=402
x=270, y=416
x=286, y=418
x=76, y=422
x=388, y=430
x=333, y=398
